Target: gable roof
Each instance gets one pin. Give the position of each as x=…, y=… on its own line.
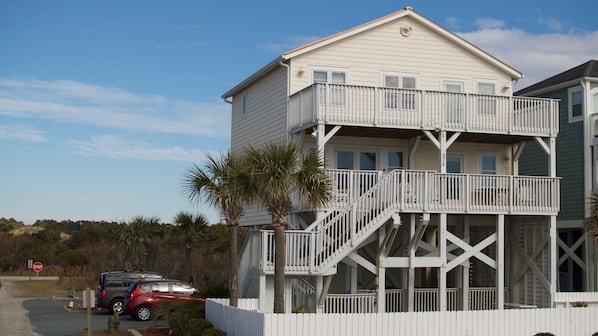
x=406, y=12
x=587, y=70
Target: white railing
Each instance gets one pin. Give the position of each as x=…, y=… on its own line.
x=332, y=237
x=374, y=106
x=321, y=245
x=350, y=303
x=435, y=192
x=510, y=322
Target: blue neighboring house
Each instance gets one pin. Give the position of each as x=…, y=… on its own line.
x=577, y=165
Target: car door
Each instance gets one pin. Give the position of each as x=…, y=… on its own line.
x=162, y=291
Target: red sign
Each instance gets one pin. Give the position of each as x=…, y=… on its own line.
x=38, y=266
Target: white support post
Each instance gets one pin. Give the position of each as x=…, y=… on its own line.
x=381, y=299
x=442, y=270
x=263, y=300
x=465, y=268
x=500, y=262
x=381, y=280
x=553, y=258
x=411, y=283
x=319, y=289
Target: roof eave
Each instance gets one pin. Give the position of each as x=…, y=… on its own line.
x=408, y=11
x=264, y=70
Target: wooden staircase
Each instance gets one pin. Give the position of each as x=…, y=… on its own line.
x=320, y=247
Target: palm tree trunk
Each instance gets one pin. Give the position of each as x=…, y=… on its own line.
x=234, y=266
x=188, y=262
x=279, y=262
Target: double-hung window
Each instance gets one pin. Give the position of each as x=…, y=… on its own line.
x=398, y=91
x=486, y=99
x=575, y=98
x=336, y=80
x=488, y=167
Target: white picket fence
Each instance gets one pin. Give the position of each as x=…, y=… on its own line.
x=247, y=321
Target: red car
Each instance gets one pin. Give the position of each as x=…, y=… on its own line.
x=143, y=296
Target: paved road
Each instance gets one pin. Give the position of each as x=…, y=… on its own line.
x=49, y=317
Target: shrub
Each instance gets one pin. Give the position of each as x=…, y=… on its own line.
x=214, y=291
x=579, y=304
x=213, y=332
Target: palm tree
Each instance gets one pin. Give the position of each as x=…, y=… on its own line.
x=190, y=227
x=222, y=184
x=135, y=239
x=591, y=223
x=279, y=171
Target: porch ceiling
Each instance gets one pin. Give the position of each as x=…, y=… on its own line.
x=380, y=132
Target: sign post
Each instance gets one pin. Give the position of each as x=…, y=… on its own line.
x=37, y=267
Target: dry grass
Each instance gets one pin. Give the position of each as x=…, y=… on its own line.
x=39, y=289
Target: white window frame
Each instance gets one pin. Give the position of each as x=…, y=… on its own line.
x=481, y=156
x=338, y=95
x=570, y=93
x=399, y=100
x=488, y=104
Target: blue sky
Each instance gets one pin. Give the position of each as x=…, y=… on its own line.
x=105, y=104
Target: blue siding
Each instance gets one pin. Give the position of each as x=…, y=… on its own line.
x=570, y=161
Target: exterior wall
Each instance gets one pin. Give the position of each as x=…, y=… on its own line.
x=570, y=163
x=264, y=120
x=425, y=53
x=427, y=156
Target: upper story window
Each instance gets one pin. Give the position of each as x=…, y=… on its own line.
x=488, y=167
x=575, y=99
x=336, y=95
x=399, y=99
x=244, y=104
x=488, y=164
x=330, y=76
x=486, y=101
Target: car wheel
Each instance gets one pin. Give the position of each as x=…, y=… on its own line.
x=116, y=306
x=143, y=313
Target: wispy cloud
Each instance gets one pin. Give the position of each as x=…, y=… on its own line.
x=21, y=132
x=550, y=22
x=489, y=23
x=289, y=44
x=453, y=23
x=535, y=54
x=115, y=146
x=80, y=103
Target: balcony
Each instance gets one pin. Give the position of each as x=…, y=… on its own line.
x=430, y=191
x=418, y=109
x=365, y=200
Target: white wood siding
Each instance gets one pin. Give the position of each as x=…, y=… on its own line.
x=265, y=120
x=425, y=53
x=427, y=156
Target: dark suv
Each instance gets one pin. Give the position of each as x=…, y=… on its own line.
x=114, y=285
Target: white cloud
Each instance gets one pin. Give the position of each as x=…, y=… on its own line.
x=538, y=56
x=114, y=146
x=75, y=102
x=21, y=132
